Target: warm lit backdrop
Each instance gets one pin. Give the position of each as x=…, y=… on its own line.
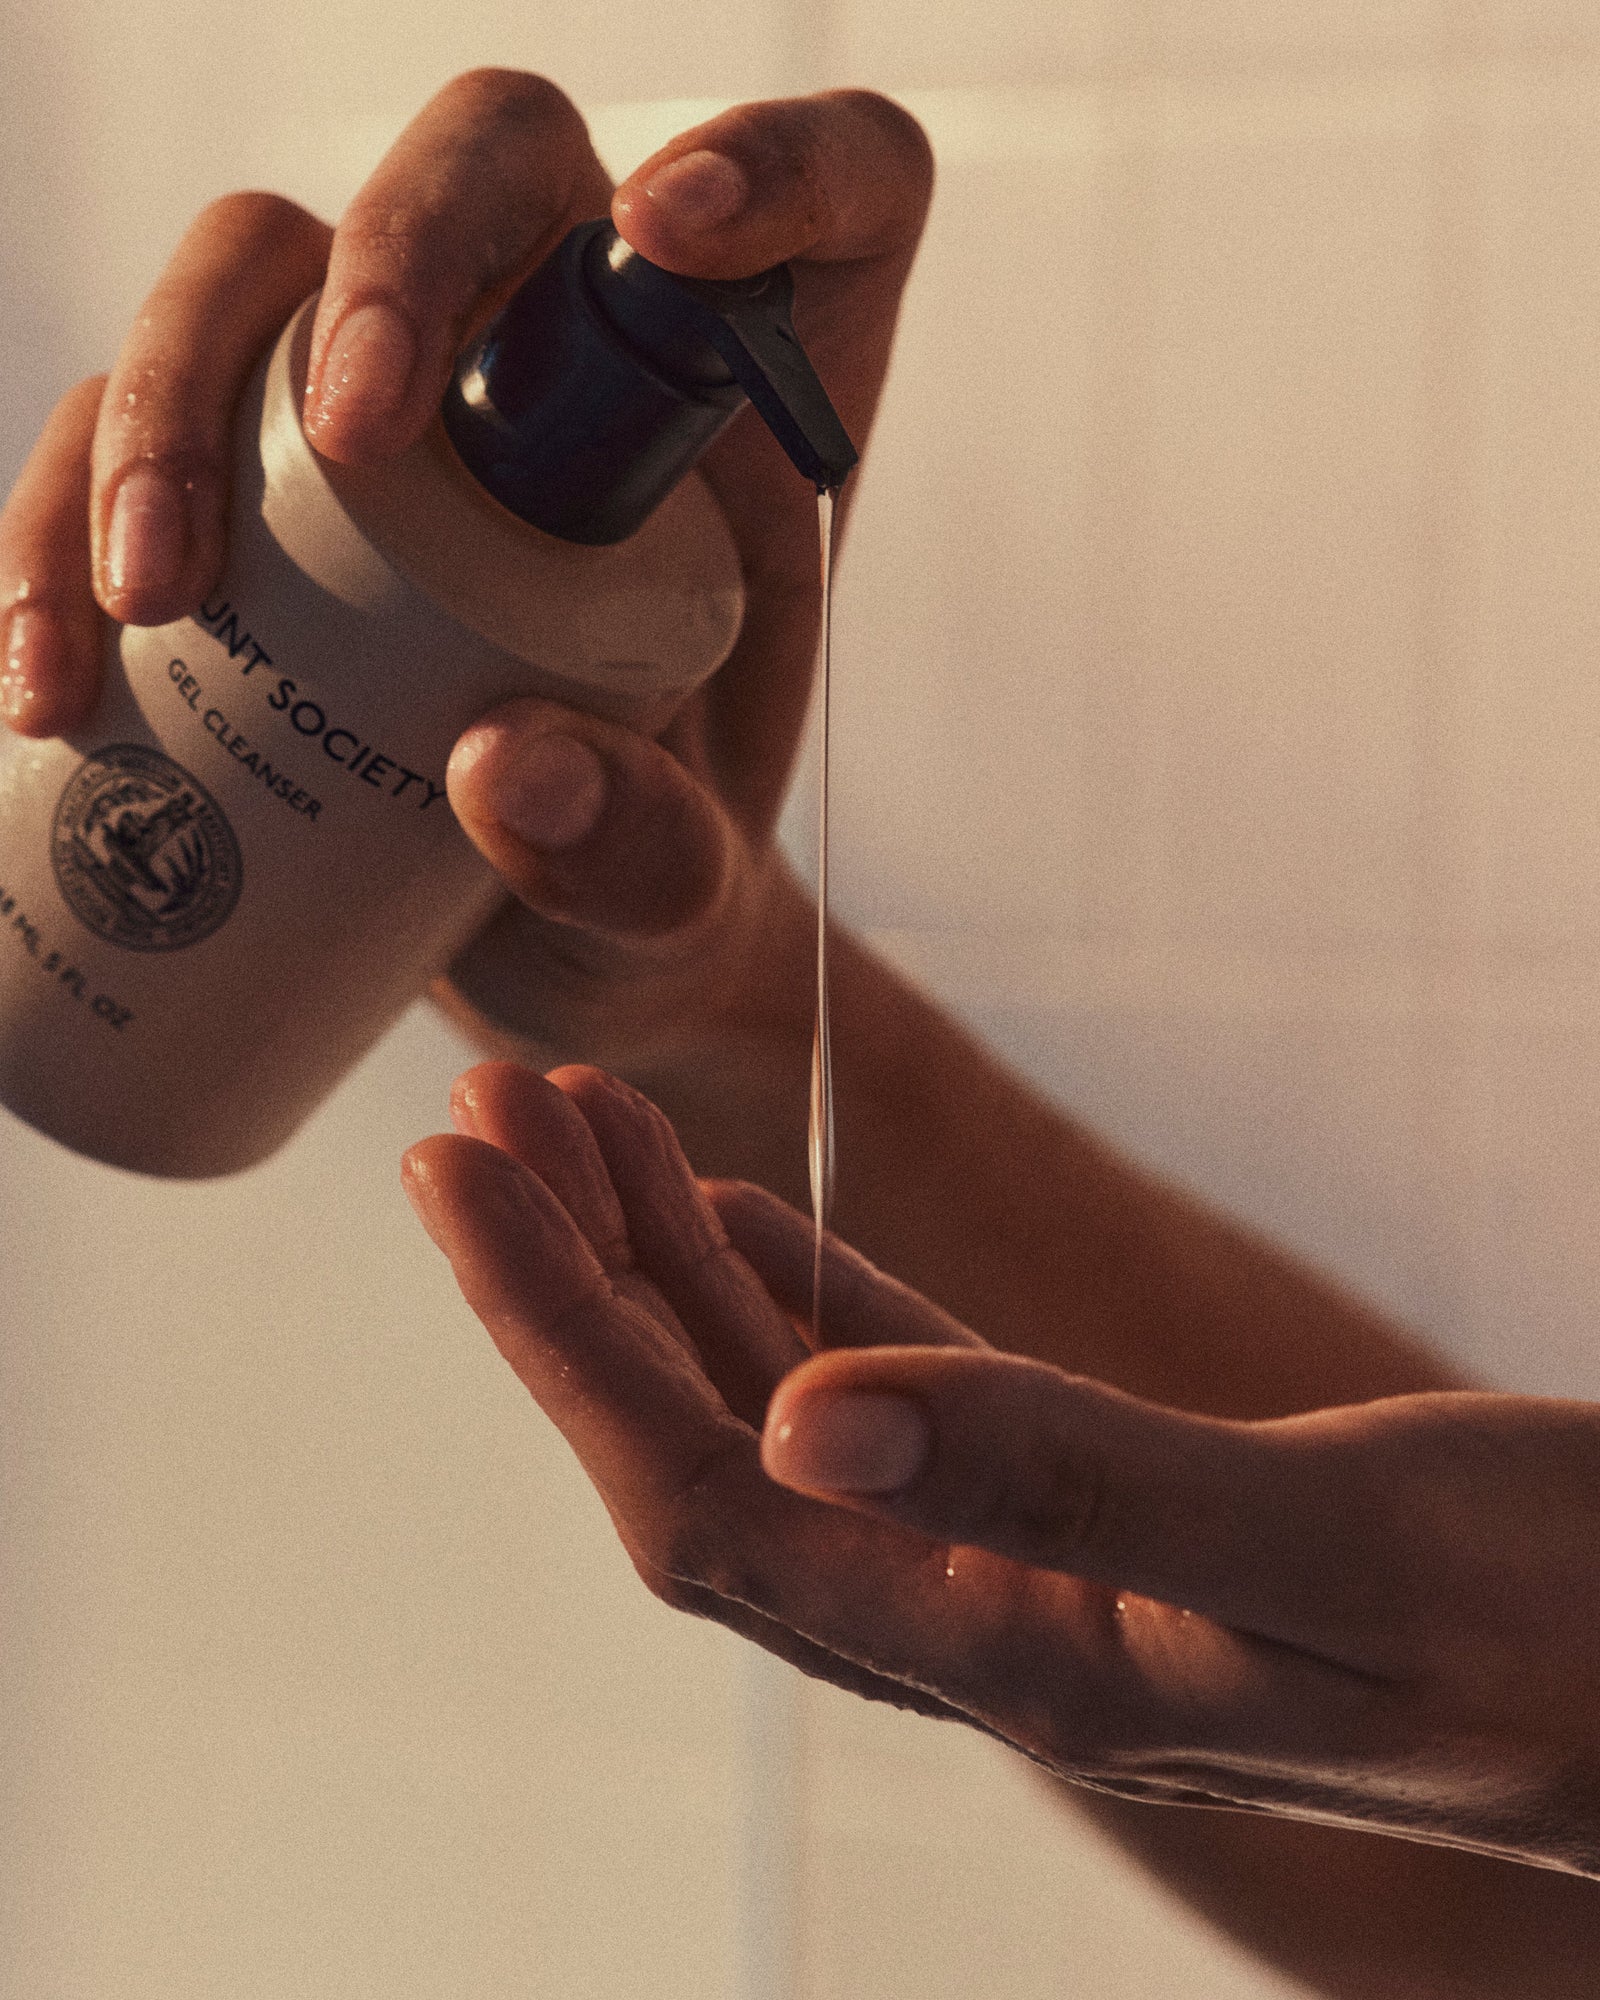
x=1218, y=728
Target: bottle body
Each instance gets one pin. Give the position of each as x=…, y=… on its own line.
x=224, y=888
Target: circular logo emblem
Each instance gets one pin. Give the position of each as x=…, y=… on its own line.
x=142, y=851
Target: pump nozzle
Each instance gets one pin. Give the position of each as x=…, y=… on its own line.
x=746, y=322
x=605, y=378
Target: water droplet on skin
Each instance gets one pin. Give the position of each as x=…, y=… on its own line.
x=950, y=1569
x=1122, y=1605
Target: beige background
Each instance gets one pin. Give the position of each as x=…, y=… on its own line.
x=1217, y=729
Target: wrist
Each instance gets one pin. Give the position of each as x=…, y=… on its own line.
x=734, y=1076
x=715, y=1023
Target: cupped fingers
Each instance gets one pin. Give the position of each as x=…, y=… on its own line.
x=681, y=1477
x=744, y=1340
x=633, y=1404
x=861, y=1305
x=163, y=444
x=480, y=186
x=1038, y=1658
x=52, y=632
x=677, y=1472
x=523, y=1114
x=541, y=1125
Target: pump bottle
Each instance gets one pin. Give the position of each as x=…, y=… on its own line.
x=220, y=892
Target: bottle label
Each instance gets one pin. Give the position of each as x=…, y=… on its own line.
x=143, y=855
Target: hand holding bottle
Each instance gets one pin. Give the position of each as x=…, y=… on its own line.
x=644, y=868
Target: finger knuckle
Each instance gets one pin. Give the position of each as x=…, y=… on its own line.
x=894, y=128
x=1044, y=1505
x=155, y=411
x=380, y=223
x=151, y=419
x=1064, y=1504
x=511, y=96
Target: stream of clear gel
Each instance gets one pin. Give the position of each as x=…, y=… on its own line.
x=820, y=1139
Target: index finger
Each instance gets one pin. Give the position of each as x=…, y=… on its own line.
x=468, y=201
x=838, y=186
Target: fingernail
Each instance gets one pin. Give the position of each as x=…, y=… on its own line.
x=553, y=794
x=148, y=533
x=699, y=189
x=366, y=367
x=36, y=660
x=850, y=1443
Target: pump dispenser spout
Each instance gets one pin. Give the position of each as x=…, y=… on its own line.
x=606, y=377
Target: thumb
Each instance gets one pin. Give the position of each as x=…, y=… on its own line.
x=1267, y=1527
x=590, y=823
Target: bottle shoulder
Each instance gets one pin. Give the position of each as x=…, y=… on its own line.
x=629, y=625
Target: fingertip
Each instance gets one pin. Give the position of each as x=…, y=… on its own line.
x=160, y=538
x=495, y=1101
x=435, y=1167
x=420, y=1184
x=34, y=657
x=472, y=1196
x=554, y=800
x=577, y=1079
x=612, y=1109
x=852, y=1442
x=47, y=684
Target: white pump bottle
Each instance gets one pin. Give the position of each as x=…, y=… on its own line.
x=217, y=894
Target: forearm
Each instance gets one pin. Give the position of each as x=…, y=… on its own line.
x=960, y=1180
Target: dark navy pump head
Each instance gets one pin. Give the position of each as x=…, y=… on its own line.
x=600, y=384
